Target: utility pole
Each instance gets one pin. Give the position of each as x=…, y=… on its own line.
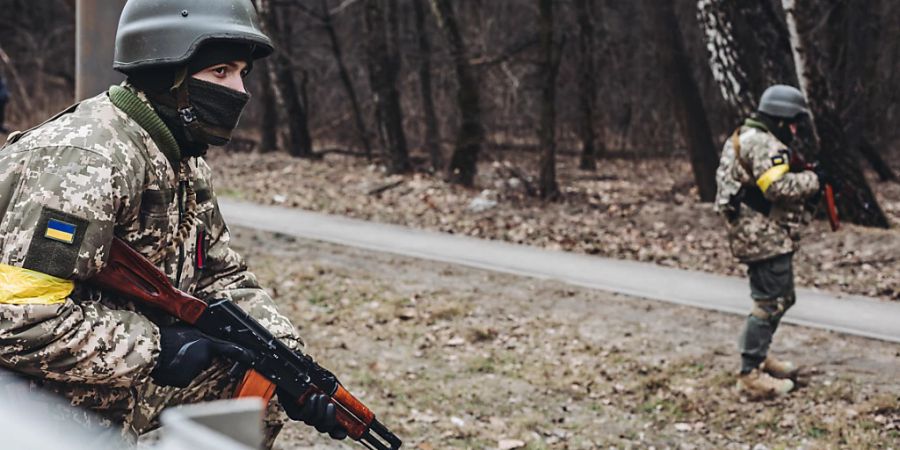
x=95, y=36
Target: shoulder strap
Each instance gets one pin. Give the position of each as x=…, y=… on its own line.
x=736, y=144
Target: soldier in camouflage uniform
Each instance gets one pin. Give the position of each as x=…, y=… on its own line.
x=128, y=164
x=763, y=202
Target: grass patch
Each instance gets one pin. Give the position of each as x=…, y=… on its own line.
x=482, y=365
x=817, y=432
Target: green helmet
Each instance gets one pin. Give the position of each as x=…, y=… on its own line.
x=783, y=101
x=154, y=33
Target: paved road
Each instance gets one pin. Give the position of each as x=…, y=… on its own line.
x=848, y=314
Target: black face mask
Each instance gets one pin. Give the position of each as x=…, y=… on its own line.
x=778, y=127
x=214, y=111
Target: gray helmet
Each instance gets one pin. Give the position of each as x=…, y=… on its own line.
x=155, y=33
x=783, y=101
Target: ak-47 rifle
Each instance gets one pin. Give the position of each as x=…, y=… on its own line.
x=799, y=164
x=130, y=274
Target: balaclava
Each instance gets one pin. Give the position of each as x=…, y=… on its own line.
x=778, y=126
x=197, y=112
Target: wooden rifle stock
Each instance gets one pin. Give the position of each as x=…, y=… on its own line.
x=831, y=208
x=130, y=274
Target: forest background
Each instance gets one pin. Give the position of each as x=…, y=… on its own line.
x=547, y=107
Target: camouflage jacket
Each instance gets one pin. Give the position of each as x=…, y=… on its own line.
x=764, y=164
x=67, y=187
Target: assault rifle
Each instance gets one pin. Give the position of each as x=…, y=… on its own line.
x=130, y=274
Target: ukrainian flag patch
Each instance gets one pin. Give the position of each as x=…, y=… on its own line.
x=60, y=231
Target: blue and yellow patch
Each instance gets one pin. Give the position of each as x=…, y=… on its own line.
x=60, y=231
x=56, y=242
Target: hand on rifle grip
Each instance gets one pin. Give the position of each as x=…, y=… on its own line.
x=826, y=178
x=317, y=411
x=186, y=351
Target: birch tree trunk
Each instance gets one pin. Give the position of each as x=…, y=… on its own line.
x=748, y=50
x=857, y=204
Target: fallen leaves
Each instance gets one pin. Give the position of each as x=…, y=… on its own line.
x=630, y=209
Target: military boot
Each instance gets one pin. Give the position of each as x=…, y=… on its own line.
x=780, y=369
x=760, y=385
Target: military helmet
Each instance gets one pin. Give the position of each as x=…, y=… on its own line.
x=155, y=33
x=782, y=101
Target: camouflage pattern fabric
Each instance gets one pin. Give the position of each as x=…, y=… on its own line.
x=100, y=175
x=132, y=411
x=752, y=235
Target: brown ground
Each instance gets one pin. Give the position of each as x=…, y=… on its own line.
x=632, y=209
x=459, y=358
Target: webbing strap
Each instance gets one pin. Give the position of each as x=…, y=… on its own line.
x=736, y=144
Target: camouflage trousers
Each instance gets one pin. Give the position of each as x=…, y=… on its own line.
x=772, y=290
x=135, y=410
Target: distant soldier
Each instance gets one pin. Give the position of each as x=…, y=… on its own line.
x=128, y=164
x=4, y=99
x=763, y=203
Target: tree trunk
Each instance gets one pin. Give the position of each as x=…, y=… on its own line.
x=858, y=204
x=689, y=105
x=299, y=141
x=268, y=140
x=547, y=185
x=361, y=133
x=432, y=133
x=856, y=41
x=383, y=67
x=469, y=139
x=587, y=85
x=884, y=171
x=748, y=48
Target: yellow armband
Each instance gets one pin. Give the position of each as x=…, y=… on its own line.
x=772, y=175
x=20, y=286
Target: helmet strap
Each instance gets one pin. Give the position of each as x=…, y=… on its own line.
x=183, y=102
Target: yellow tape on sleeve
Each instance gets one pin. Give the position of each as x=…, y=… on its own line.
x=20, y=286
x=772, y=175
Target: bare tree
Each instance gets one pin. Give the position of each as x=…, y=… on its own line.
x=859, y=204
x=690, y=111
x=584, y=9
x=432, y=133
x=550, y=56
x=278, y=27
x=268, y=140
x=383, y=65
x=470, y=137
x=327, y=20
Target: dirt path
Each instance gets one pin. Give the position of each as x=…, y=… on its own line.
x=460, y=358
